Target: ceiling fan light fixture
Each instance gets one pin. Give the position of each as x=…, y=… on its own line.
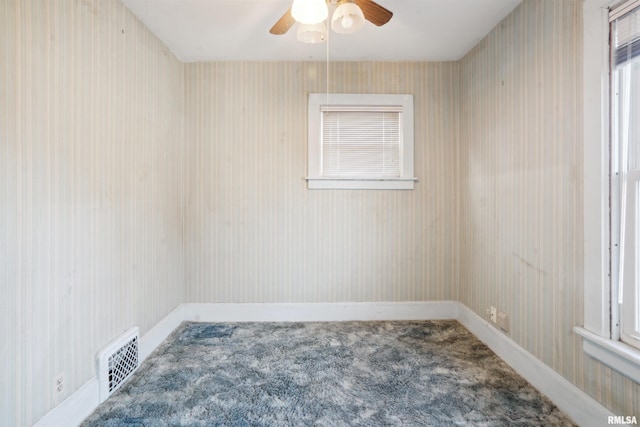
x=347, y=18
x=312, y=33
x=309, y=11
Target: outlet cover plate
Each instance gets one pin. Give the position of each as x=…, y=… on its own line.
x=58, y=384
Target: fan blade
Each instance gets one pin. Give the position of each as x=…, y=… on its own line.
x=373, y=12
x=283, y=24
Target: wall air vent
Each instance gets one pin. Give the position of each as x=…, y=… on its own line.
x=116, y=362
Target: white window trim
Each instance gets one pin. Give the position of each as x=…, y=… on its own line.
x=600, y=337
x=317, y=181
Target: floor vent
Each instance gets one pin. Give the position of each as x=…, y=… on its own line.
x=117, y=361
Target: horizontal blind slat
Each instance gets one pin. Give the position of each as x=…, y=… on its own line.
x=626, y=36
x=361, y=143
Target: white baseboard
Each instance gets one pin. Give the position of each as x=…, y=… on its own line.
x=156, y=335
x=75, y=408
x=320, y=312
x=578, y=405
x=574, y=402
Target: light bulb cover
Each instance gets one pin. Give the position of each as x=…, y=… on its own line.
x=347, y=18
x=312, y=33
x=309, y=11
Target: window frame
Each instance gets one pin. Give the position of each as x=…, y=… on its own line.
x=321, y=102
x=600, y=333
x=625, y=185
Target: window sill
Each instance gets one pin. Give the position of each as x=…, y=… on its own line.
x=615, y=354
x=361, y=184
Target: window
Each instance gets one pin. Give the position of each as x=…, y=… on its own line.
x=360, y=141
x=600, y=334
x=625, y=135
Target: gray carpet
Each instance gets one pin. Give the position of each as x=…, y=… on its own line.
x=410, y=373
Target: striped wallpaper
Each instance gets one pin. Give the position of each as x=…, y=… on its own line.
x=130, y=183
x=91, y=130
x=255, y=233
x=521, y=190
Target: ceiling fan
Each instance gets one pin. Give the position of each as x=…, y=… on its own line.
x=348, y=17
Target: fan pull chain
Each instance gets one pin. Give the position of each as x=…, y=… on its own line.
x=327, y=71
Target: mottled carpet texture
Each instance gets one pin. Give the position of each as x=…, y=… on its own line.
x=408, y=373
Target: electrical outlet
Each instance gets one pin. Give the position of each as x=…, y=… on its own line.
x=58, y=384
x=494, y=314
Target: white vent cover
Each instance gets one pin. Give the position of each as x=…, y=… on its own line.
x=116, y=362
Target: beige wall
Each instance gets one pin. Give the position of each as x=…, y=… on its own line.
x=130, y=183
x=91, y=130
x=521, y=190
x=255, y=233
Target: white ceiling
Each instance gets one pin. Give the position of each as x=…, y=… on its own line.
x=238, y=30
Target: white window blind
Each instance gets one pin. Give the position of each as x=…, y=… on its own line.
x=364, y=143
x=360, y=141
x=626, y=35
